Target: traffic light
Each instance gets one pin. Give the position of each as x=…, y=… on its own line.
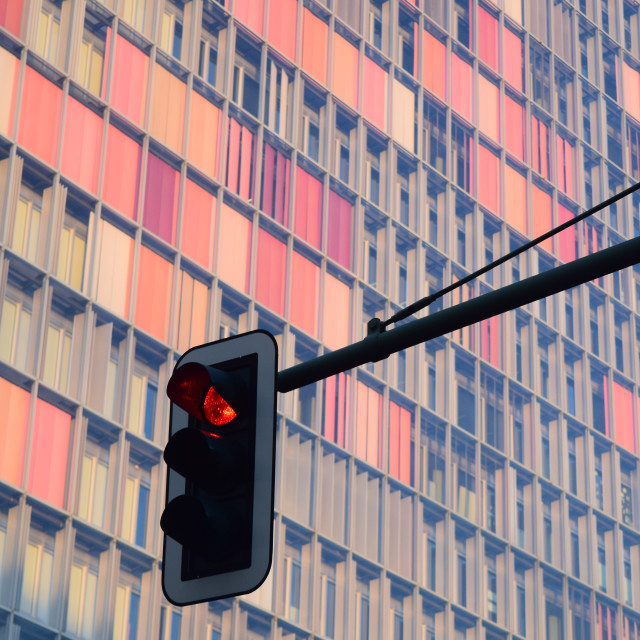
x=218, y=522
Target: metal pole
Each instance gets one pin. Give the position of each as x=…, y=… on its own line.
x=382, y=345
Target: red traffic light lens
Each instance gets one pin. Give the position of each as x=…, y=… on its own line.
x=191, y=388
x=217, y=410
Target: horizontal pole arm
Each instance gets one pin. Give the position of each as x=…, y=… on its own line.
x=381, y=345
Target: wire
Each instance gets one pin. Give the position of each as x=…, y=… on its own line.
x=427, y=300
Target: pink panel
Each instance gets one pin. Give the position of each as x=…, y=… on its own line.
x=339, y=224
x=566, y=238
x=234, y=248
x=49, y=454
x=491, y=340
x=308, y=212
x=512, y=58
x=336, y=408
x=314, y=46
x=488, y=178
x=251, y=12
x=82, y=145
x=399, y=443
x=282, y=189
x=329, y=422
x=268, y=169
x=161, y=199
x=515, y=207
x=374, y=432
x=246, y=164
x=374, y=96
x=155, y=275
x=541, y=215
x=305, y=277
x=487, y=38
x=40, y=110
x=345, y=70
x=362, y=422
x=282, y=27
x=129, y=80
x=624, y=430
x=13, y=431
x=631, y=87
x=233, y=154
x=198, y=223
x=270, y=271
x=433, y=65
x=336, y=312
x=489, y=108
x=167, y=108
x=11, y=16
x=462, y=87
x=514, y=127
x=122, y=173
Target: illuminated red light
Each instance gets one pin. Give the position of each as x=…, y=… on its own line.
x=217, y=410
x=191, y=389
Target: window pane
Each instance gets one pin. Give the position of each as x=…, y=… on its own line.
x=275, y=184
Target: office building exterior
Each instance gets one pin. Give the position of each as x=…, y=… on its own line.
x=176, y=172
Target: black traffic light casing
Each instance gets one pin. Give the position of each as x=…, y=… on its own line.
x=218, y=522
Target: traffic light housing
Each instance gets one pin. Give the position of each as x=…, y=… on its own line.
x=218, y=520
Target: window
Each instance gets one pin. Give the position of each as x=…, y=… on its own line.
x=407, y=47
x=275, y=184
x=403, y=110
x=432, y=541
x=462, y=28
x=461, y=157
x=295, y=548
x=610, y=68
x=365, y=588
x=631, y=28
x=587, y=44
x=562, y=24
x=628, y=496
x=313, y=125
x=170, y=623
x=519, y=418
x=491, y=584
x=540, y=76
x=366, y=513
x=198, y=222
x=614, y=135
x=209, y=68
x=433, y=62
x=94, y=479
x=378, y=23
x=345, y=143
x=553, y=609
x=83, y=589
x=193, y=311
x=73, y=245
x=549, y=448
x=463, y=465
x=599, y=399
x=143, y=397
x=521, y=598
x=375, y=91
x=278, y=99
x=246, y=76
x=491, y=482
x=345, y=67
x=375, y=166
x=308, y=208
x=435, y=136
x=581, y=613
x=465, y=394
x=48, y=30
x=130, y=69
x=492, y=409
x=129, y=596
x=90, y=68
x=29, y=227
x=332, y=483
x=171, y=29
x=540, y=156
x=590, y=116
x=433, y=437
x=136, y=504
x=135, y=12
x=331, y=565
x=314, y=45
x=396, y=622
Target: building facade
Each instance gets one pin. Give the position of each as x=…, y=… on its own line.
x=174, y=172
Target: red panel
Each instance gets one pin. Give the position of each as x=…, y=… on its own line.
x=541, y=215
x=270, y=271
x=82, y=145
x=234, y=248
x=155, y=275
x=314, y=46
x=308, y=212
x=488, y=178
x=203, y=146
x=198, y=223
x=374, y=97
x=462, y=87
x=49, y=454
x=11, y=15
x=305, y=277
x=339, y=224
x=487, y=38
x=345, y=70
x=624, y=430
x=9, y=70
x=282, y=27
x=251, y=12
x=515, y=206
x=40, y=110
x=13, y=431
x=512, y=58
x=514, y=127
x=122, y=173
x=161, y=199
x=129, y=80
x=566, y=238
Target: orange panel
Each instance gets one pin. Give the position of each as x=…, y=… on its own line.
x=13, y=431
x=155, y=277
x=198, y=223
x=129, y=83
x=270, y=271
x=631, y=86
x=512, y=58
x=433, y=65
x=345, y=70
x=11, y=15
x=282, y=27
x=40, y=110
x=251, y=13
x=624, y=430
x=303, y=305
x=489, y=108
x=203, y=147
x=374, y=96
x=82, y=145
x=167, y=108
x=514, y=127
x=462, y=87
x=515, y=206
x=541, y=215
x=234, y=248
x=488, y=178
x=336, y=312
x=49, y=454
x=315, y=34
x=9, y=67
